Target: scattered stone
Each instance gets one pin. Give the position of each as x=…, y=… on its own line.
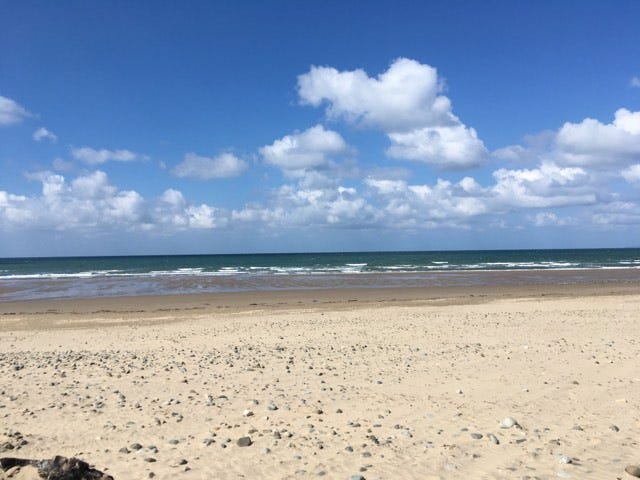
x=247, y=413
x=633, y=470
x=272, y=406
x=135, y=446
x=614, y=428
x=476, y=436
x=493, y=438
x=565, y=459
x=244, y=442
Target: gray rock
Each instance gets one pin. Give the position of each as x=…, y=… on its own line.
x=565, y=459
x=493, y=438
x=633, y=470
x=614, y=428
x=476, y=436
x=244, y=442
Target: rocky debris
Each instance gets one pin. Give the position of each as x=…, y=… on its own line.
x=58, y=468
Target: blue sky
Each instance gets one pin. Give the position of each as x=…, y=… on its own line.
x=218, y=127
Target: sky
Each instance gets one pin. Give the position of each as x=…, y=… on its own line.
x=159, y=127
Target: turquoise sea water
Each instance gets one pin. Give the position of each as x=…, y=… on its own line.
x=23, y=278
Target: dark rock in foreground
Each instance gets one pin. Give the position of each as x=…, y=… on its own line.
x=59, y=468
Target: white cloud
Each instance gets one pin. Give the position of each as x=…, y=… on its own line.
x=632, y=174
x=91, y=156
x=592, y=143
x=91, y=202
x=634, y=82
x=313, y=149
x=451, y=147
x=405, y=102
x=293, y=206
x=404, y=97
x=550, y=219
x=11, y=113
x=224, y=165
x=546, y=186
x=618, y=213
x=43, y=134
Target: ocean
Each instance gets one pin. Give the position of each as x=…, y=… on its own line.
x=77, y=277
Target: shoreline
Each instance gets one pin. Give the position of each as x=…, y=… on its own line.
x=314, y=298
x=148, y=286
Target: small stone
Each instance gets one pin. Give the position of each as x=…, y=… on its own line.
x=183, y=461
x=493, y=438
x=124, y=450
x=348, y=448
x=135, y=446
x=244, y=441
x=150, y=460
x=174, y=441
x=357, y=477
x=476, y=436
x=614, y=428
x=565, y=459
x=272, y=407
x=508, y=422
x=266, y=451
x=633, y=470
x=247, y=413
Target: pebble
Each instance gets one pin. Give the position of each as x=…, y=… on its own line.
x=476, y=436
x=357, y=477
x=493, y=438
x=247, y=413
x=565, y=459
x=135, y=446
x=633, y=470
x=508, y=422
x=244, y=441
x=614, y=428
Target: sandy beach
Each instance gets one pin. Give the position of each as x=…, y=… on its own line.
x=526, y=382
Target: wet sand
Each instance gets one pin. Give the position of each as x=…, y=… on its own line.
x=377, y=383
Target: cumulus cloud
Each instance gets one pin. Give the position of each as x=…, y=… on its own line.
x=91, y=202
x=632, y=174
x=550, y=219
x=295, y=206
x=405, y=102
x=300, y=152
x=451, y=147
x=595, y=144
x=549, y=185
x=91, y=156
x=224, y=165
x=11, y=113
x=43, y=134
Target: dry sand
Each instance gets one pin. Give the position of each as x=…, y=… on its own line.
x=360, y=384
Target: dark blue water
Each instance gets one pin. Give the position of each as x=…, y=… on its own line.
x=22, y=278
